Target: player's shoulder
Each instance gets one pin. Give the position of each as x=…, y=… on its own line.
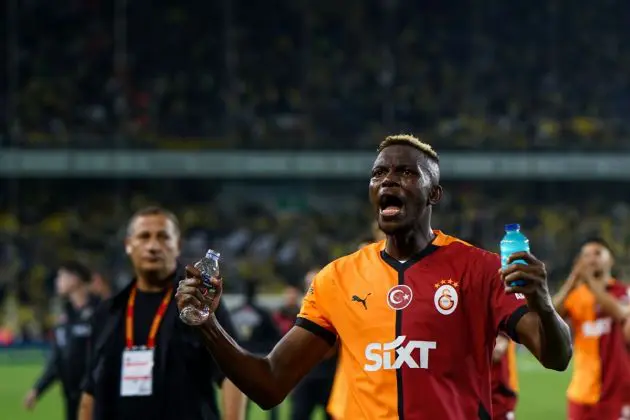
x=339, y=267
x=465, y=253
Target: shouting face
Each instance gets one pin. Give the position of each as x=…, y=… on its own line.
x=403, y=187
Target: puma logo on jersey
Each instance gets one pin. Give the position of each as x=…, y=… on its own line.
x=395, y=355
x=363, y=301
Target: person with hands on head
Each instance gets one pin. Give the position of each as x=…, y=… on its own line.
x=596, y=273
x=418, y=312
x=593, y=301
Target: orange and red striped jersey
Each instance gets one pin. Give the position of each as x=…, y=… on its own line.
x=601, y=368
x=416, y=336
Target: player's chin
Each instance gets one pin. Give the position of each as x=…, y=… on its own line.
x=392, y=225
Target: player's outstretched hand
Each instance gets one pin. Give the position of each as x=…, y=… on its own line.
x=191, y=291
x=534, y=275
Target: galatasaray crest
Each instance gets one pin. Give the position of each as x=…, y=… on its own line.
x=446, y=297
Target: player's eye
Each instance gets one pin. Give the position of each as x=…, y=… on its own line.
x=376, y=173
x=408, y=172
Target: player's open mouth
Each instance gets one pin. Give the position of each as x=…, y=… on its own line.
x=390, y=205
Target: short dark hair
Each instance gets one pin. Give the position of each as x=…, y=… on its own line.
x=153, y=211
x=77, y=269
x=599, y=241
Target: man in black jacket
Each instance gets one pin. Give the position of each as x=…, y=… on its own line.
x=68, y=358
x=144, y=362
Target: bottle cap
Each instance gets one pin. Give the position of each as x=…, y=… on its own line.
x=213, y=255
x=512, y=227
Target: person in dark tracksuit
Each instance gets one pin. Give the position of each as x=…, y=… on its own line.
x=314, y=390
x=68, y=359
x=256, y=327
x=144, y=362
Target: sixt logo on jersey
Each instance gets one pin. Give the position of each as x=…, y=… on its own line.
x=597, y=328
x=395, y=355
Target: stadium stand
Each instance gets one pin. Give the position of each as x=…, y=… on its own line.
x=324, y=74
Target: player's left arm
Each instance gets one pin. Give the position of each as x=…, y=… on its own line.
x=540, y=329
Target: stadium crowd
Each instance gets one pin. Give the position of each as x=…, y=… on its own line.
x=317, y=74
x=267, y=238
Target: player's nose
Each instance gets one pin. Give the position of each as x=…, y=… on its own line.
x=390, y=180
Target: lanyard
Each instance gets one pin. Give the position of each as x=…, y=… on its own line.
x=157, y=319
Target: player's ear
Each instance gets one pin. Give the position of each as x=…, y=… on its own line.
x=127, y=246
x=435, y=195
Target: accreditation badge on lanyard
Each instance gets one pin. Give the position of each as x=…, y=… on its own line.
x=136, y=378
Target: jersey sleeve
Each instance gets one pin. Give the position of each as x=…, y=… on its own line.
x=506, y=309
x=314, y=316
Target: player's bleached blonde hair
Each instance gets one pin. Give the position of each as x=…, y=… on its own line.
x=409, y=140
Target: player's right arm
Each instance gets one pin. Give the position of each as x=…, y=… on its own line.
x=265, y=380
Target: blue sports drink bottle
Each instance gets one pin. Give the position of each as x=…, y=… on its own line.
x=513, y=241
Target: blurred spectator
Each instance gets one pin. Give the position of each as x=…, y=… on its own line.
x=285, y=316
x=255, y=325
x=69, y=356
x=100, y=287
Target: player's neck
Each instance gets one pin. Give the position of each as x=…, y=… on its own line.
x=79, y=298
x=404, y=245
x=152, y=283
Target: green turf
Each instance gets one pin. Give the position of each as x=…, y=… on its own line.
x=542, y=393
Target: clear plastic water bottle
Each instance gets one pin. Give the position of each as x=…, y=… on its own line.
x=513, y=241
x=209, y=267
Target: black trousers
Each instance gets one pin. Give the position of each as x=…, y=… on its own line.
x=310, y=393
x=72, y=407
